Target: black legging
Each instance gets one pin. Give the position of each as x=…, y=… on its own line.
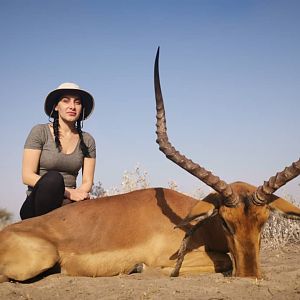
x=47, y=195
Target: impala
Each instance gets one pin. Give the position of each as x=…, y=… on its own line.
x=242, y=208
x=112, y=235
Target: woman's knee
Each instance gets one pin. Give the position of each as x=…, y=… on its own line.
x=53, y=178
x=52, y=183
x=54, y=175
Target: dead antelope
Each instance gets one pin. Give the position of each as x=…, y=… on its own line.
x=111, y=235
x=242, y=209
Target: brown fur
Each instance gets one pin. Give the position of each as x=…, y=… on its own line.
x=110, y=235
x=243, y=225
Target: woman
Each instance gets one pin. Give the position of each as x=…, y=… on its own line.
x=55, y=152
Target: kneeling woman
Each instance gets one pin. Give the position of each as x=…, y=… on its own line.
x=54, y=153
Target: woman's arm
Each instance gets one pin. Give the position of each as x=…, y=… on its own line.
x=31, y=158
x=81, y=193
x=88, y=174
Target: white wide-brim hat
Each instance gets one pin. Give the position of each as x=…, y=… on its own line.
x=65, y=88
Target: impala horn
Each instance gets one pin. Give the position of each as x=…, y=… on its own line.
x=263, y=192
x=171, y=153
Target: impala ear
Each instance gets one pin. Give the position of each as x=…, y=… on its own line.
x=285, y=208
x=201, y=211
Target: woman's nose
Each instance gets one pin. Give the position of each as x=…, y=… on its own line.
x=72, y=104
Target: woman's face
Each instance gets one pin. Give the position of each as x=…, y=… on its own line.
x=69, y=107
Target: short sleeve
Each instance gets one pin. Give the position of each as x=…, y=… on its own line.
x=36, y=138
x=90, y=143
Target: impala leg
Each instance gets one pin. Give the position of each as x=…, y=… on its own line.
x=23, y=256
x=197, y=262
x=181, y=253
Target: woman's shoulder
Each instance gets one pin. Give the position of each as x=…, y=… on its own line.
x=87, y=136
x=90, y=143
x=37, y=136
x=40, y=130
x=40, y=127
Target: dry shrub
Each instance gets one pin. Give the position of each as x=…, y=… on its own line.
x=173, y=185
x=5, y=218
x=97, y=190
x=136, y=180
x=131, y=181
x=279, y=232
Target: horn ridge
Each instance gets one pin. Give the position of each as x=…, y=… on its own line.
x=171, y=153
x=263, y=192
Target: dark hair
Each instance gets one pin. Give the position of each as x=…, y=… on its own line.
x=83, y=146
x=78, y=127
x=56, y=131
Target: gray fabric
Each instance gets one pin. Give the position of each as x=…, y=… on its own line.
x=68, y=165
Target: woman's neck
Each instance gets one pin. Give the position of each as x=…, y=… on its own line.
x=67, y=127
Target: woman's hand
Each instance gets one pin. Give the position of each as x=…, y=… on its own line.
x=81, y=193
x=76, y=194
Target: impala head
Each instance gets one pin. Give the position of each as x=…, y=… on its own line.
x=243, y=209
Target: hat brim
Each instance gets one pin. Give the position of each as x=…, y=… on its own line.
x=53, y=98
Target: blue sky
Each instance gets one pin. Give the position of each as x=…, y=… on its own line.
x=230, y=74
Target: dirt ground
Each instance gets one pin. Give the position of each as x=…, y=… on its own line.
x=281, y=270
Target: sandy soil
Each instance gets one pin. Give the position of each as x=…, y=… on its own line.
x=281, y=270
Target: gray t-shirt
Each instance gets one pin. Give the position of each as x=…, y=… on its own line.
x=41, y=138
